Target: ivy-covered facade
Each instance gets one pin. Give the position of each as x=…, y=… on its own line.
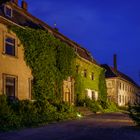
x=88, y=81
x=59, y=69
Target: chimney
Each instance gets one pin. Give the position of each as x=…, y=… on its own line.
x=115, y=62
x=15, y=2
x=24, y=5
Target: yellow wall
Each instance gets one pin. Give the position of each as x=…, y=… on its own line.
x=14, y=65
x=129, y=91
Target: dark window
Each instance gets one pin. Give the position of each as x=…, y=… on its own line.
x=120, y=85
x=123, y=86
x=120, y=100
x=10, y=86
x=10, y=46
x=85, y=73
x=92, y=76
x=8, y=11
x=93, y=95
x=77, y=69
x=123, y=98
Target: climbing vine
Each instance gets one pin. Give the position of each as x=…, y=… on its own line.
x=102, y=86
x=82, y=83
x=50, y=60
x=53, y=61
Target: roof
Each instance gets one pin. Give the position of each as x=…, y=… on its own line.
x=111, y=73
x=24, y=18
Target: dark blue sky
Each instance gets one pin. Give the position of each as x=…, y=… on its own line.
x=104, y=27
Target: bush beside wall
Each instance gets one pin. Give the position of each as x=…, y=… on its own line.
x=134, y=113
x=19, y=114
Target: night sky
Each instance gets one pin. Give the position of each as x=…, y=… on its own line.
x=104, y=27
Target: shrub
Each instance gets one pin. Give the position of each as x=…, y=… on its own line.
x=111, y=107
x=8, y=119
x=28, y=113
x=17, y=114
x=93, y=105
x=104, y=104
x=46, y=112
x=134, y=113
x=66, y=111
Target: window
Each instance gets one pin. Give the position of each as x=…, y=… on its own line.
x=93, y=95
x=119, y=98
x=9, y=46
x=10, y=86
x=126, y=100
x=92, y=76
x=77, y=69
x=120, y=85
x=109, y=84
x=122, y=98
x=8, y=11
x=126, y=88
x=123, y=86
x=85, y=73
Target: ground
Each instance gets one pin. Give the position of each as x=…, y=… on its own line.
x=112, y=126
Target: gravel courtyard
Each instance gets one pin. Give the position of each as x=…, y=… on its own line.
x=113, y=126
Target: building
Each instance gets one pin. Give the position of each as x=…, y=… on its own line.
x=15, y=75
x=121, y=89
x=89, y=77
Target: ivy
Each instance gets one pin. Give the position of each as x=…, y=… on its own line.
x=50, y=60
x=102, y=87
x=82, y=83
x=53, y=61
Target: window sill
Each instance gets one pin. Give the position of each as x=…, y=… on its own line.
x=8, y=55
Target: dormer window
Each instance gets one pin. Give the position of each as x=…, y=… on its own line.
x=8, y=11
